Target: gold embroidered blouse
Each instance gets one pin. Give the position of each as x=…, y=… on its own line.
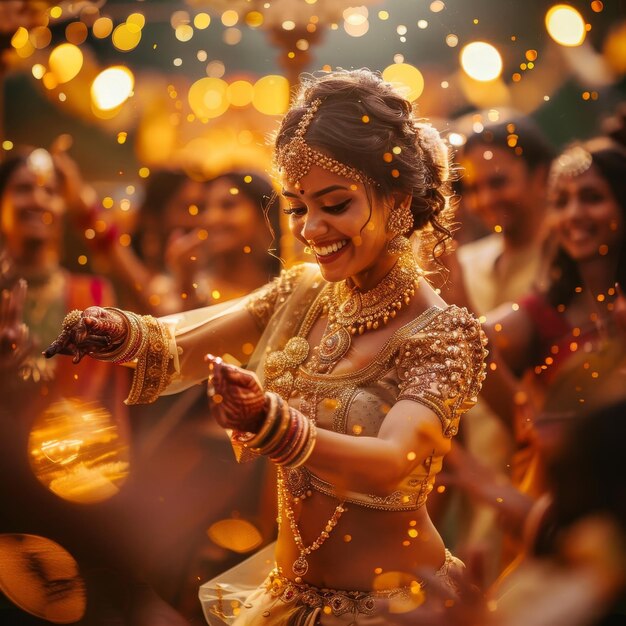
x=436, y=360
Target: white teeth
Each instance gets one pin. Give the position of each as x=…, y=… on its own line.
x=333, y=247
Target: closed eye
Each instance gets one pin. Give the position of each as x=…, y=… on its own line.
x=298, y=211
x=338, y=208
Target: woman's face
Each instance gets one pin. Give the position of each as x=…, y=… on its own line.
x=182, y=210
x=585, y=215
x=344, y=228
x=234, y=223
x=32, y=207
x=500, y=190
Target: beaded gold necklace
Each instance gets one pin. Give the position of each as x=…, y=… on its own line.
x=301, y=566
x=352, y=311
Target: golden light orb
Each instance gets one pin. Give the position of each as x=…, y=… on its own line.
x=65, y=61
x=240, y=93
x=207, y=98
x=78, y=451
x=126, y=37
x=407, y=77
x=481, y=61
x=112, y=87
x=565, y=25
x=102, y=27
x=271, y=95
x=235, y=534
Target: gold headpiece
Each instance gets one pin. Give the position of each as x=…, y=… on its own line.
x=295, y=158
x=573, y=162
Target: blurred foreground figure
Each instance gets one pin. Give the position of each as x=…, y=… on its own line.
x=64, y=435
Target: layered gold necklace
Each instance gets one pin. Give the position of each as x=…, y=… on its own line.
x=352, y=311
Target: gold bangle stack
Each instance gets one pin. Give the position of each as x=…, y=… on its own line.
x=152, y=374
x=136, y=339
x=286, y=436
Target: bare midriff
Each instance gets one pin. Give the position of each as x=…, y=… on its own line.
x=364, y=544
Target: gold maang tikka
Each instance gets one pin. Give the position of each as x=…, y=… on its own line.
x=295, y=158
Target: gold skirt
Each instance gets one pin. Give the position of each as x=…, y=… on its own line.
x=279, y=601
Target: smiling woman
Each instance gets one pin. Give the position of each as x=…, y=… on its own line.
x=567, y=336
x=359, y=375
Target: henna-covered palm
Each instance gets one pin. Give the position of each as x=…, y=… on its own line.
x=93, y=331
x=236, y=396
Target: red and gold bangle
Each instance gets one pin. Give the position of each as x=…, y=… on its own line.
x=308, y=448
x=284, y=446
x=272, y=409
x=277, y=435
x=298, y=442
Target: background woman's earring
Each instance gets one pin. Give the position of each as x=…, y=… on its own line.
x=307, y=250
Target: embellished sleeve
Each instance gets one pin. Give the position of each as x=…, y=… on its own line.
x=264, y=301
x=443, y=366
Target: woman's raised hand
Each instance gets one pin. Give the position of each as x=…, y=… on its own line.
x=94, y=331
x=14, y=335
x=236, y=396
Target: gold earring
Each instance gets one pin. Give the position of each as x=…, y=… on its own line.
x=400, y=222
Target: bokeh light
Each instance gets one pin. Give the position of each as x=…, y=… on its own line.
x=202, y=21
x=565, y=25
x=240, y=93
x=254, y=19
x=112, y=87
x=102, y=27
x=136, y=19
x=207, y=97
x=76, y=33
x=65, y=61
x=126, y=37
x=271, y=95
x=232, y=36
x=230, y=18
x=78, y=451
x=481, y=61
x=235, y=534
x=41, y=36
x=184, y=32
x=407, y=78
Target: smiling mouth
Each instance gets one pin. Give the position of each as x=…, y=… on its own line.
x=328, y=250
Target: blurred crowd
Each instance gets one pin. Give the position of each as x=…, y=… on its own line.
x=114, y=514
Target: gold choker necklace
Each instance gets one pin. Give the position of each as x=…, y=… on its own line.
x=352, y=311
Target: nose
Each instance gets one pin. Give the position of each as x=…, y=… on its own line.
x=483, y=199
x=314, y=226
x=40, y=198
x=573, y=208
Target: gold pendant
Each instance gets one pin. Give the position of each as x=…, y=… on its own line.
x=300, y=566
x=334, y=345
x=351, y=308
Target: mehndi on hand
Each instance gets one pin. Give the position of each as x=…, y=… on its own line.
x=262, y=422
x=236, y=396
x=96, y=331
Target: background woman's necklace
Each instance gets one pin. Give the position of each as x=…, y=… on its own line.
x=352, y=311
